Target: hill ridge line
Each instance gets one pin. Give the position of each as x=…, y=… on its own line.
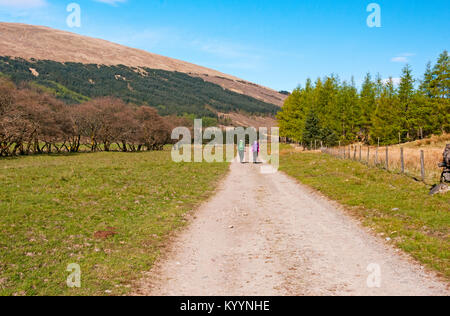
x=45, y=43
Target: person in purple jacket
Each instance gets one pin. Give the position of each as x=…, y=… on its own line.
x=255, y=150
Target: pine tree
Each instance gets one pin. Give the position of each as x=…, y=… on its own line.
x=440, y=91
x=328, y=137
x=387, y=116
x=423, y=123
x=325, y=108
x=440, y=82
x=312, y=132
x=291, y=119
x=406, y=94
x=349, y=112
x=426, y=82
x=367, y=105
x=379, y=86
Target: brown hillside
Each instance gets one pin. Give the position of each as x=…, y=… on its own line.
x=43, y=43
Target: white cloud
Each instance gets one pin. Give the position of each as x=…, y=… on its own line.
x=402, y=58
x=112, y=2
x=395, y=81
x=23, y=4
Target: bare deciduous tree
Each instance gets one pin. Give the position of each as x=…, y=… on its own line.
x=34, y=122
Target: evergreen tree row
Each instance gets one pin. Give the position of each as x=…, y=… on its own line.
x=331, y=111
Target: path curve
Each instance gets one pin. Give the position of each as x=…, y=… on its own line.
x=267, y=235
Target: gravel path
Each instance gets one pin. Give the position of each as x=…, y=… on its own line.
x=265, y=235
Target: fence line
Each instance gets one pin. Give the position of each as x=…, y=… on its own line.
x=396, y=159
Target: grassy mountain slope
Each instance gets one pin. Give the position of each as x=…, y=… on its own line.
x=43, y=43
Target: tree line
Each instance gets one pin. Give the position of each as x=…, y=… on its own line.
x=33, y=122
x=331, y=111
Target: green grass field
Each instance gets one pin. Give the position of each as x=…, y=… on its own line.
x=395, y=206
x=51, y=207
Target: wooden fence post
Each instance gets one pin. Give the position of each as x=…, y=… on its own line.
x=368, y=155
x=376, y=155
x=360, y=153
x=354, y=153
x=387, y=158
x=402, y=158
x=422, y=164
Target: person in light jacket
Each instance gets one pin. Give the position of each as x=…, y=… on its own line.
x=241, y=149
x=255, y=150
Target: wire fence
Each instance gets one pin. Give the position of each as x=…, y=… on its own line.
x=419, y=164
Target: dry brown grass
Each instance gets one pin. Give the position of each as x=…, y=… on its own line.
x=437, y=141
x=433, y=149
x=432, y=157
x=238, y=119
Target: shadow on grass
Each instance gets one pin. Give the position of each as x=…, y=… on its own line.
x=75, y=154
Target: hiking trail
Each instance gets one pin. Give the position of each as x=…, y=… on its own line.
x=267, y=235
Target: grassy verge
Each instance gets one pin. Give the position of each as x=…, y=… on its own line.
x=51, y=207
x=395, y=206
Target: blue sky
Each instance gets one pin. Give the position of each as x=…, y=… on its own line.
x=275, y=43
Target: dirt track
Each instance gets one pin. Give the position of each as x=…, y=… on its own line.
x=268, y=235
